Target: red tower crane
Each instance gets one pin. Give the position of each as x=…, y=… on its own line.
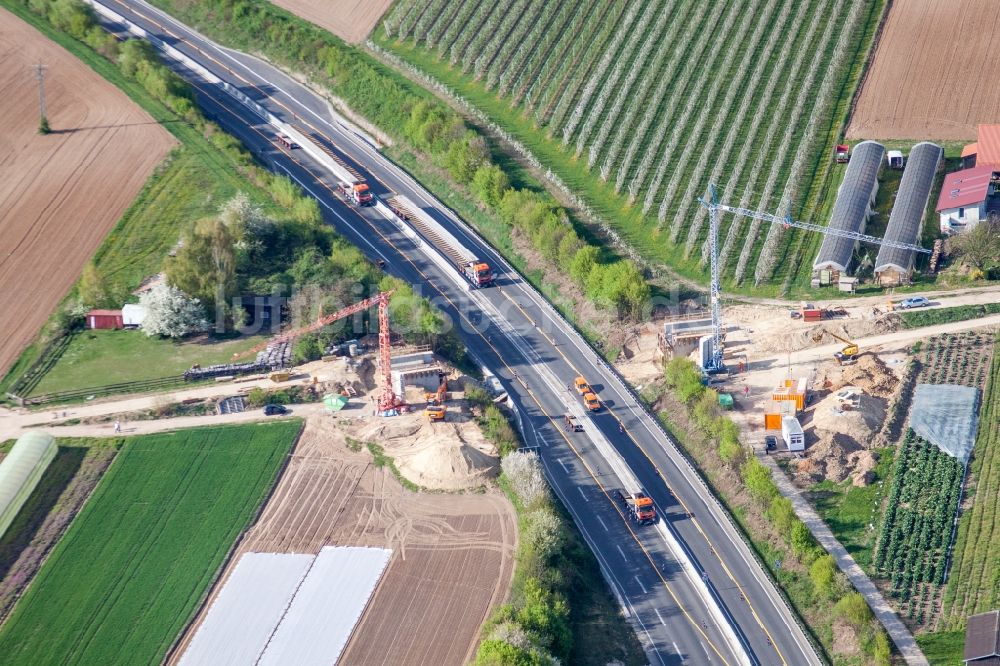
x=387, y=399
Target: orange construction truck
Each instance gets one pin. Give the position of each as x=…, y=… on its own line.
x=638, y=506
x=358, y=193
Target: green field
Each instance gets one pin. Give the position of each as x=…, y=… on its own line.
x=848, y=509
x=974, y=583
x=638, y=106
x=97, y=358
x=921, y=318
x=131, y=569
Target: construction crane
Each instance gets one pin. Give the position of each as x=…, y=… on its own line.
x=387, y=399
x=714, y=363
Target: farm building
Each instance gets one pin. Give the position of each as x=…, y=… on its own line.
x=964, y=195
x=982, y=640
x=894, y=266
x=20, y=472
x=104, y=319
x=851, y=210
x=986, y=150
x=895, y=159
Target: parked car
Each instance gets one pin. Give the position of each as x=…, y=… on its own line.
x=275, y=410
x=914, y=302
x=770, y=443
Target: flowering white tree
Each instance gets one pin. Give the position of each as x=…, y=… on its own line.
x=171, y=313
x=525, y=475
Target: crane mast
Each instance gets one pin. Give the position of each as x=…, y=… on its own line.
x=711, y=203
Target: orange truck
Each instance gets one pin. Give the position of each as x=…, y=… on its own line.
x=478, y=273
x=638, y=506
x=358, y=193
x=591, y=402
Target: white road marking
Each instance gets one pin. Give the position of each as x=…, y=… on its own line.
x=580, y=488
x=657, y=611
x=705, y=650
x=603, y=524
x=622, y=552
x=678, y=651
x=644, y=590
x=564, y=466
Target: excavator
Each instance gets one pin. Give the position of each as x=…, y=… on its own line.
x=846, y=356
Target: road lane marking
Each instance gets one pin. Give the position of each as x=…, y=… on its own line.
x=657, y=611
x=644, y=590
x=580, y=488
x=566, y=469
x=705, y=651
x=603, y=524
x=621, y=552
x=678, y=651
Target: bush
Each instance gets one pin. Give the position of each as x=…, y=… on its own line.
x=684, y=377
x=306, y=348
x=802, y=542
x=854, y=610
x=757, y=479
x=524, y=473
x=823, y=573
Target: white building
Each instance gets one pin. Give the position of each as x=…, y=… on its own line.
x=963, y=199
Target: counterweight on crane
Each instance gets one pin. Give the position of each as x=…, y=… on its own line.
x=714, y=363
x=387, y=399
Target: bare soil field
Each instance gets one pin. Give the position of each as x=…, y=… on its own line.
x=452, y=556
x=60, y=194
x=351, y=20
x=932, y=73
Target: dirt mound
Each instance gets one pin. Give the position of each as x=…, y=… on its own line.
x=796, y=336
x=870, y=374
x=640, y=358
x=843, y=431
x=453, y=455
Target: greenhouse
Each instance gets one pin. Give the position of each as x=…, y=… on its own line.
x=895, y=265
x=853, y=206
x=20, y=472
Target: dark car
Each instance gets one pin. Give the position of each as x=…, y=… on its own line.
x=275, y=410
x=770, y=443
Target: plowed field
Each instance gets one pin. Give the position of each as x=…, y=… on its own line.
x=59, y=194
x=351, y=20
x=932, y=76
x=452, y=555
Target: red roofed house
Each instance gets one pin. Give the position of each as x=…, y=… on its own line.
x=962, y=203
x=106, y=319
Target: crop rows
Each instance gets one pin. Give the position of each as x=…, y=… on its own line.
x=974, y=582
x=662, y=97
x=128, y=574
x=917, y=525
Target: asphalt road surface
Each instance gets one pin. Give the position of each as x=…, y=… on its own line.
x=690, y=585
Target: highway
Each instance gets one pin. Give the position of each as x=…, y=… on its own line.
x=690, y=585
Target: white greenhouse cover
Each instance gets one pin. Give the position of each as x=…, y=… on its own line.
x=248, y=609
x=946, y=415
x=279, y=608
x=20, y=472
x=326, y=607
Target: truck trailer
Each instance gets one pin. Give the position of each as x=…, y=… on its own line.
x=357, y=192
x=476, y=271
x=638, y=506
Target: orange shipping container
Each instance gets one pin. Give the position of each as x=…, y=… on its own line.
x=772, y=421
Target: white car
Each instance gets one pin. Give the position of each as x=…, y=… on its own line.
x=915, y=302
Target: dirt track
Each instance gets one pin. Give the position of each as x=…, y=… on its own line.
x=351, y=20
x=59, y=194
x=932, y=76
x=452, y=554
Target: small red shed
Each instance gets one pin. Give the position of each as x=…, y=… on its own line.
x=104, y=319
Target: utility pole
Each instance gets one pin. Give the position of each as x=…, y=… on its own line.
x=43, y=120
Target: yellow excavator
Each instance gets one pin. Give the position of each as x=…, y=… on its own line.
x=846, y=356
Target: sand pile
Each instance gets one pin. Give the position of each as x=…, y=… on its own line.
x=870, y=374
x=793, y=335
x=452, y=455
x=843, y=431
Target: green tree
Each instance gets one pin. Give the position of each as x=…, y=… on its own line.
x=489, y=184
x=979, y=247
x=583, y=263
x=758, y=481
x=205, y=267
x=569, y=245
x=682, y=375
x=499, y=653
x=466, y=156
x=802, y=542
x=92, y=289
x=853, y=608
x=305, y=349
x=823, y=573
